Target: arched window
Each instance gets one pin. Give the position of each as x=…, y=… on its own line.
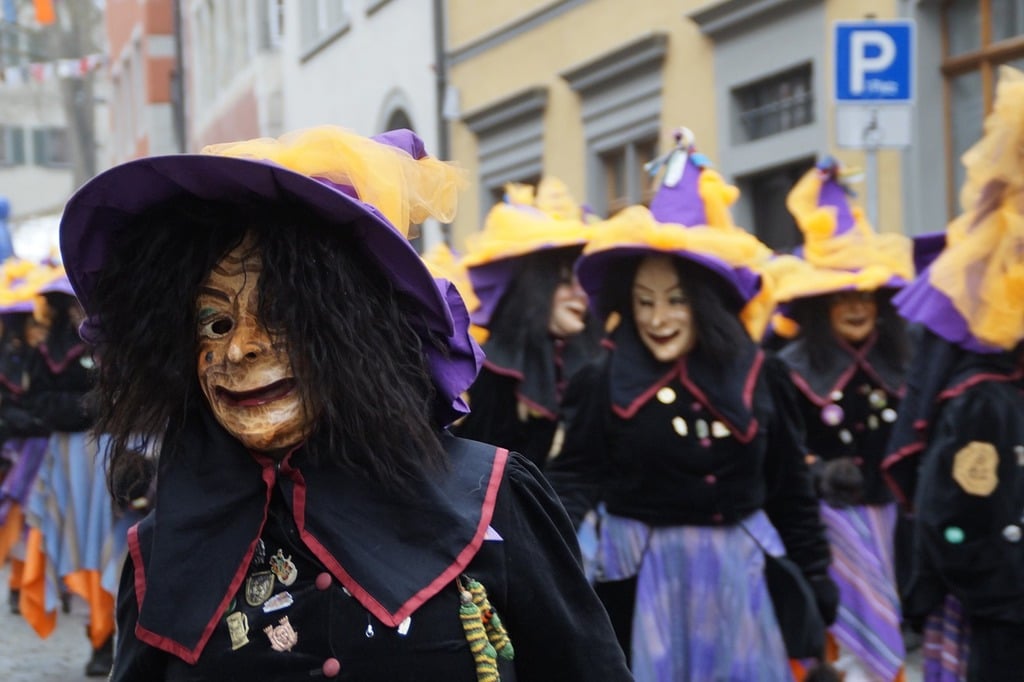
x=399, y=119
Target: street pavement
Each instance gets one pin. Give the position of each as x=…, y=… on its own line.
x=61, y=657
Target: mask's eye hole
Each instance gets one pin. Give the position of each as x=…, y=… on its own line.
x=216, y=327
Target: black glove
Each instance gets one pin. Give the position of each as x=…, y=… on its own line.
x=841, y=483
x=21, y=422
x=826, y=594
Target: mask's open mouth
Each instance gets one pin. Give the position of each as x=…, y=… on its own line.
x=258, y=396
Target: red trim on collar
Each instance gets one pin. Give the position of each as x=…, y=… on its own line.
x=892, y=460
x=171, y=646
x=540, y=409
x=840, y=384
x=16, y=389
x=859, y=360
x=435, y=586
x=503, y=371
x=680, y=369
x=748, y=385
x=638, y=402
x=751, y=383
x=976, y=379
x=58, y=367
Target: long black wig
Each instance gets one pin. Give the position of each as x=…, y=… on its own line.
x=357, y=360
x=812, y=315
x=521, y=318
x=715, y=308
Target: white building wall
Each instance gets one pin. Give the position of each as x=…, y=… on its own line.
x=376, y=57
x=33, y=189
x=384, y=59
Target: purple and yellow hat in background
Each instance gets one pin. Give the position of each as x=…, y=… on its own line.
x=21, y=281
x=527, y=221
x=372, y=189
x=972, y=294
x=841, y=250
x=445, y=265
x=689, y=218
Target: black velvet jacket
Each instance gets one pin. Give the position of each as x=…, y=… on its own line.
x=534, y=377
x=374, y=595
x=686, y=444
x=969, y=501
x=866, y=387
x=60, y=379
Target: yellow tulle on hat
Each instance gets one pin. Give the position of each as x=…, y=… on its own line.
x=528, y=221
x=442, y=263
x=404, y=189
x=835, y=259
x=21, y=280
x=981, y=270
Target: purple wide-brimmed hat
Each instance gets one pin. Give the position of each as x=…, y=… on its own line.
x=60, y=285
x=921, y=303
x=114, y=200
x=688, y=218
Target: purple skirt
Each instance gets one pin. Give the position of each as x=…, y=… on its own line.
x=702, y=607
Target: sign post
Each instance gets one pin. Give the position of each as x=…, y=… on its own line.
x=874, y=92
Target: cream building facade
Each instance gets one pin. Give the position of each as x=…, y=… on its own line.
x=589, y=90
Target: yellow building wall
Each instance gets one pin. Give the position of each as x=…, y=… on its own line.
x=890, y=180
x=468, y=20
x=536, y=58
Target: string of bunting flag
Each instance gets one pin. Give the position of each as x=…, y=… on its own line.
x=40, y=72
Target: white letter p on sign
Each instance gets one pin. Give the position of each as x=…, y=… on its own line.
x=861, y=64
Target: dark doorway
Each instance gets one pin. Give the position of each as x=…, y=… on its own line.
x=767, y=190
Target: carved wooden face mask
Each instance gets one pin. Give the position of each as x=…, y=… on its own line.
x=244, y=373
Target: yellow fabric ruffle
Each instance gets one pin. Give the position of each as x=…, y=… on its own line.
x=405, y=190
x=528, y=222
x=635, y=226
x=790, y=278
x=441, y=262
x=21, y=280
x=718, y=196
x=859, y=247
x=981, y=270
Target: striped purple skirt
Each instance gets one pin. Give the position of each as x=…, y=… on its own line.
x=868, y=622
x=945, y=648
x=26, y=455
x=703, y=612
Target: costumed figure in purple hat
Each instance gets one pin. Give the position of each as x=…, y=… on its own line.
x=957, y=453
x=22, y=435
x=258, y=310
x=539, y=331
x=681, y=437
x=848, y=361
x=69, y=513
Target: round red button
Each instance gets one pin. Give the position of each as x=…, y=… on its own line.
x=710, y=479
x=331, y=667
x=323, y=581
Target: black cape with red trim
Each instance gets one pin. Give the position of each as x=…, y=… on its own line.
x=535, y=374
x=853, y=379
x=365, y=561
x=623, y=447
x=970, y=540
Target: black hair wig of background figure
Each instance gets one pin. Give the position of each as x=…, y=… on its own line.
x=715, y=309
x=358, y=362
x=521, y=318
x=55, y=314
x=812, y=314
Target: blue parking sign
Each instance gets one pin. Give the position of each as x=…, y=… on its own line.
x=874, y=61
